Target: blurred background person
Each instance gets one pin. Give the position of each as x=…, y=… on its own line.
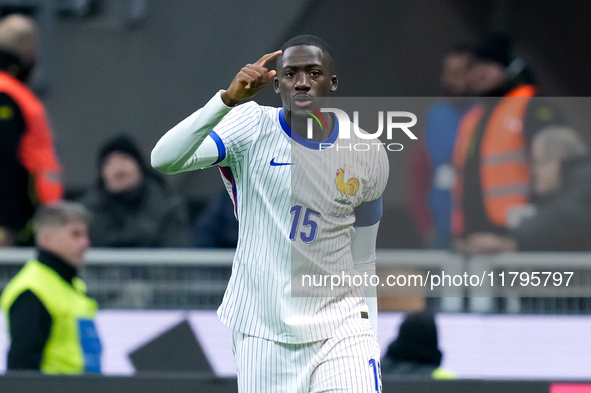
x=50, y=318
x=415, y=351
x=561, y=218
x=432, y=172
x=131, y=205
x=29, y=170
x=491, y=150
x=216, y=226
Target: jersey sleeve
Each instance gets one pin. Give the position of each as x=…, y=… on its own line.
x=379, y=171
x=363, y=250
x=235, y=133
x=214, y=134
x=370, y=211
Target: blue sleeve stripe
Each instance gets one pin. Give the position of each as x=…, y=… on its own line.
x=221, y=148
x=368, y=213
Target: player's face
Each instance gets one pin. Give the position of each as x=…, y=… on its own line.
x=305, y=73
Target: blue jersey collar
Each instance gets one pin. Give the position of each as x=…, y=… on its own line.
x=306, y=142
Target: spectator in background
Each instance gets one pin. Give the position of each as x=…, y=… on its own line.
x=49, y=316
x=561, y=220
x=131, y=204
x=432, y=171
x=490, y=153
x=415, y=352
x=216, y=226
x=29, y=170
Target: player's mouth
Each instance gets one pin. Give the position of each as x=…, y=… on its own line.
x=302, y=101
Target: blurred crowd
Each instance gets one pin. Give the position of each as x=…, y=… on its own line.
x=131, y=205
x=498, y=167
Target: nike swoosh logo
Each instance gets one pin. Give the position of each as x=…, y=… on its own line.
x=273, y=163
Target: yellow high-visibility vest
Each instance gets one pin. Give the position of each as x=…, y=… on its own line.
x=73, y=346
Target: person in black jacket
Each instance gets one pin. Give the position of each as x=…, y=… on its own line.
x=561, y=219
x=217, y=226
x=131, y=205
x=415, y=352
x=46, y=302
x=30, y=172
x=494, y=137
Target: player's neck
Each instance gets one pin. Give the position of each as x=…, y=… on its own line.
x=300, y=126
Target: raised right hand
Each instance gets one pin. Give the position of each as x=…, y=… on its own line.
x=250, y=79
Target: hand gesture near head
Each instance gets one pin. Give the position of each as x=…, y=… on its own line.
x=250, y=79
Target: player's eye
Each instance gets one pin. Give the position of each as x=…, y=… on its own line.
x=289, y=74
x=314, y=74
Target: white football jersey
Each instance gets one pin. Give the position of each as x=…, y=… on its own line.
x=297, y=205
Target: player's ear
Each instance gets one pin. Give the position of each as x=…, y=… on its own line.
x=276, y=85
x=334, y=83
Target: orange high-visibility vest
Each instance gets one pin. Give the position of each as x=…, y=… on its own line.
x=35, y=152
x=504, y=170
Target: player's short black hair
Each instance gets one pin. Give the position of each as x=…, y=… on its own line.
x=311, y=40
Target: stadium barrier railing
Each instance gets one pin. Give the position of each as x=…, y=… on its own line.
x=196, y=279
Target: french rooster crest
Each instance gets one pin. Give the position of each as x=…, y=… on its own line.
x=350, y=187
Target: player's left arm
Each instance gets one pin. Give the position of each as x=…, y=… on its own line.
x=363, y=249
x=367, y=219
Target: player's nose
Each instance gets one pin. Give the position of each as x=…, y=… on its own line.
x=302, y=81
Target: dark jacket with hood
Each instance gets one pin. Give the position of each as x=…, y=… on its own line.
x=563, y=220
x=150, y=215
x=415, y=352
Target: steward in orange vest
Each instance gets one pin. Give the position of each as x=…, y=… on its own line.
x=493, y=138
x=30, y=174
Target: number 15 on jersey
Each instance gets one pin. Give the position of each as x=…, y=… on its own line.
x=306, y=226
